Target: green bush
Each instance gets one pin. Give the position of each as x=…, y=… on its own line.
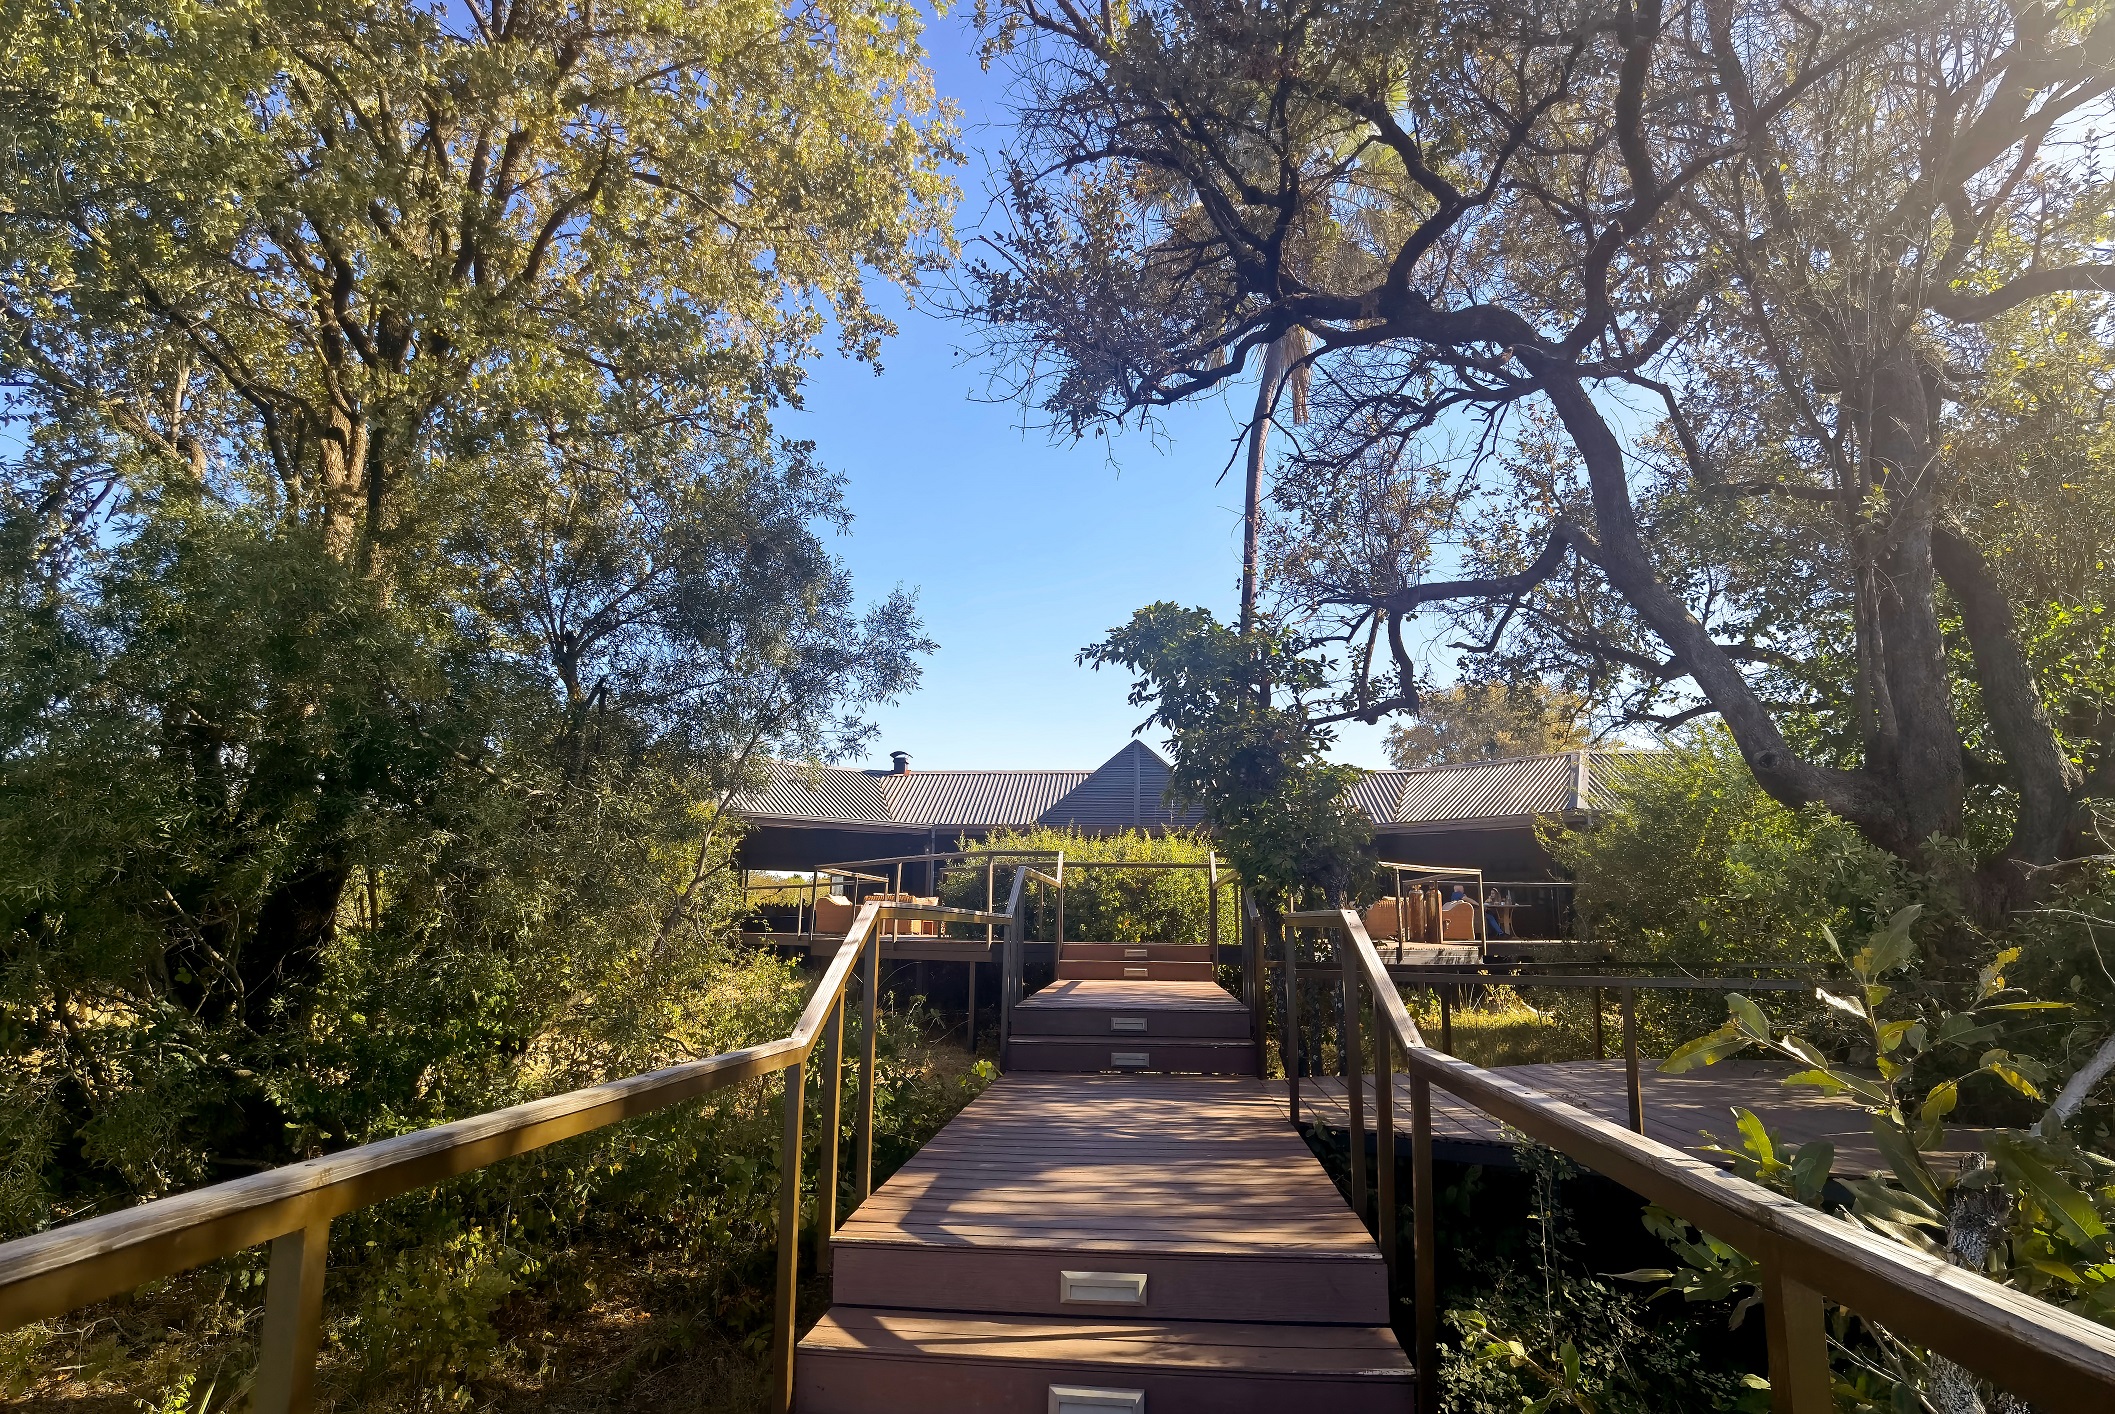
x=1689, y=866
x=1113, y=905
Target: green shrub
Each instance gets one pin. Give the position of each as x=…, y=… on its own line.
x=1113, y=905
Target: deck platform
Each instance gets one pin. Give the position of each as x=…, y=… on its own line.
x=1163, y=1236
x=1679, y=1110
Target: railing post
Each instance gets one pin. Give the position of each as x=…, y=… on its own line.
x=1384, y=1137
x=786, y=1293
x=972, y=1003
x=1255, y=971
x=1600, y=1024
x=1797, y=1335
x=1211, y=909
x=869, y=1017
x=833, y=1045
x=1424, y=1222
x=1289, y=1030
x=293, y=1321
x=1634, y=1086
x=1446, y=1018
x=1352, y=1062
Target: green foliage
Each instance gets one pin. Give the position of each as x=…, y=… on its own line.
x=2039, y=1214
x=1689, y=863
x=1112, y=905
x=1537, y=1330
x=1483, y=721
x=1246, y=751
x=398, y=568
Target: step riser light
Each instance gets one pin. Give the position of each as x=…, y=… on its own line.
x=1081, y=1399
x=1102, y=1288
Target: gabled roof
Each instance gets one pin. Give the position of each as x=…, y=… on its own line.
x=1130, y=790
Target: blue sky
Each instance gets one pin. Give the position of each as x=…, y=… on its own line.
x=1023, y=550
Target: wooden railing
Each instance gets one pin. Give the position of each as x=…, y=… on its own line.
x=292, y=1207
x=2052, y=1358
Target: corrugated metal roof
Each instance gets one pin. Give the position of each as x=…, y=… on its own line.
x=829, y=795
x=976, y=797
x=1129, y=789
x=798, y=792
x=1487, y=790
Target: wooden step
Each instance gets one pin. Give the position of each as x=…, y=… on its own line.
x=1179, y=1055
x=1127, y=1008
x=1134, y=952
x=1117, y=970
x=1292, y=1287
x=863, y=1360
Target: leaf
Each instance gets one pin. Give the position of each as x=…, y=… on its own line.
x=2073, y=1211
x=1755, y=1136
x=1822, y=1080
x=1842, y=1004
x=1901, y=1155
x=1806, y=1052
x=1991, y=979
x=2016, y=1071
x=1748, y=1016
x=1931, y=1115
x=1811, y=1167
x=1705, y=1050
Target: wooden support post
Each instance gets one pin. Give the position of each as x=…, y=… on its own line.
x=786, y=1290
x=1424, y=1196
x=1060, y=934
x=1600, y=1026
x=826, y=1157
x=1446, y=1018
x=1384, y=1138
x=972, y=1007
x=293, y=1322
x=1352, y=1062
x=1289, y=1029
x=1795, y=1330
x=1211, y=909
x=869, y=1020
x=1632, y=1084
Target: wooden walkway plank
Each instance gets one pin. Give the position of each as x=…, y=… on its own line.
x=1679, y=1110
x=1139, y=1237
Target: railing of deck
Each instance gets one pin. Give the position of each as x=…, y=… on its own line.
x=2042, y=1353
x=292, y=1207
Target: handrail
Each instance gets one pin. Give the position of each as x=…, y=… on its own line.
x=50, y=1273
x=2057, y=1360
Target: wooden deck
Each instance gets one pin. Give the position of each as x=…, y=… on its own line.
x=1679, y=1110
x=1101, y=1242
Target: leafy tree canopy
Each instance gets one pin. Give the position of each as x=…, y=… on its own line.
x=1643, y=347
x=401, y=570
x=1479, y=721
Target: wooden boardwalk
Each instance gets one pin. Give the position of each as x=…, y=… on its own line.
x=1090, y=1242
x=1679, y=1110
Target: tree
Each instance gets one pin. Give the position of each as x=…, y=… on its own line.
x=400, y=567
x=1253, y=762
x=1481, y=721
x=1530, y=227
x=289, y=252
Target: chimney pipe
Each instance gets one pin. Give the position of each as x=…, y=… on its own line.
x=900, y=762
